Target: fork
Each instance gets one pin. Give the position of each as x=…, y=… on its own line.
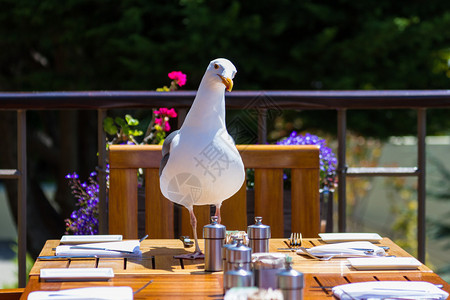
x=295, y=240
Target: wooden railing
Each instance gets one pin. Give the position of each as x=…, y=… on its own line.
x=260, y=101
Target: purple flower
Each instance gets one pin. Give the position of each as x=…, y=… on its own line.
x=328, y=160
x=83, y=220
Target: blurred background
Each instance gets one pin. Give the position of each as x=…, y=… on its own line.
x=76, y=45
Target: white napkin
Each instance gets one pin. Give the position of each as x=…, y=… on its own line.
x=130, y=245
x=346, y=249
x=394, y=289
x=106, y=293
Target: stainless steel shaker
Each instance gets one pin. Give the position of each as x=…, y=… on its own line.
x=239, y=255
x=214, y=235
x=237, y=278
x=258, y=235
x=225, y=249
x=290, y=282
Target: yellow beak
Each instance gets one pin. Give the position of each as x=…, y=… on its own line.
x=228, y=82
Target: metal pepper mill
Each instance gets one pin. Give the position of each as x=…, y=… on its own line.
x=258, y=235
x=214, y=235
x=239, y=255
x=225, y=249
x=290, y=282
x=237, y=278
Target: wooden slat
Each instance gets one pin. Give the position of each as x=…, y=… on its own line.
x=159, y=222
x=123, y=202
x=234, y=210
x=276, y=156
x=269, y=199
x=305, y=202
x=135, y=156
x=11, y=294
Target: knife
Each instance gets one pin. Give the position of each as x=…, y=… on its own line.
x=99, y=248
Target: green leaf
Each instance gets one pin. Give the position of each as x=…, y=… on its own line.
x=131, y=121
x=109, y=127
x=134, y=132
x=121, y=122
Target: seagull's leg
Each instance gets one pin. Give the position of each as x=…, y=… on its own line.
x=194, y=230
x=217, y=214
x=198, y=253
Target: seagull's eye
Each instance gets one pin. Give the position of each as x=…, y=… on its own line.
x=216, y=66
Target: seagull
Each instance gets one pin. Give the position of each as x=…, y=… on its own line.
x=200, y=164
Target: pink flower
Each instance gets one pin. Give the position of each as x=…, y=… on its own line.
x=158, y=121
x=178, y=77
x=171, y=113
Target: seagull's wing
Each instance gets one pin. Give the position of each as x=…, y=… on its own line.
x=166, y=150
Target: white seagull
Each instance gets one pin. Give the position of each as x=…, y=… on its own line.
x=201, y=165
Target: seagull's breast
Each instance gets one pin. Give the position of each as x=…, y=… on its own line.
x=202, y=168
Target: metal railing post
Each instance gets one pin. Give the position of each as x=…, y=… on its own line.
x=421, y=188
x=342, y=169
x=22, y=195
x=103, y=227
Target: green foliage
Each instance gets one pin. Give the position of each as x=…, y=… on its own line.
x=122, y=129
x=101, y=44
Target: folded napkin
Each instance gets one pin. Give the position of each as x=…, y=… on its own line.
x=391, y=289
x=268, y=260
x=125, y=248
x=93, y=293
x=347, y=249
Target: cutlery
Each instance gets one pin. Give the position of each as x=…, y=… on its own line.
x=368, y=251
x=143, y=287
x=100, y=248
x=143, y=238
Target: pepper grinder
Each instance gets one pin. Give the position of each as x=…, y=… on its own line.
x=214, y=235
x=237, y=278
x=225, y=249
x=239, y=254
x=290, y=282
x=258, y=235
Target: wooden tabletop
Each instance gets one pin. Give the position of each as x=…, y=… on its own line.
x=170, y=279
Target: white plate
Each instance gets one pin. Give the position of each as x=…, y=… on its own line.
x=89, y=293
x=83, y=239
x=349, y=237
x=77, y=274
x=385, y=263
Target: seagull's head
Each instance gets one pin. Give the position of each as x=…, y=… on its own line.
x=221, y=71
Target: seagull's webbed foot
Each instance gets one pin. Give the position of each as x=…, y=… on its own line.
x=197, y=254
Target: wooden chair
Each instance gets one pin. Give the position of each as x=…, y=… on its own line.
x=11, y=294
x=268, y=161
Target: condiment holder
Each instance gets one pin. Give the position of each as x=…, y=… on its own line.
x=258, y=235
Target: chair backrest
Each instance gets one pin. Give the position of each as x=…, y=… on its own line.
x=268, y=162
x=11, y=294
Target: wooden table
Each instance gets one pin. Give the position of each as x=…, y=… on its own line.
x=171, y=280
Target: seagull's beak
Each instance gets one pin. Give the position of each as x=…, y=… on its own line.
x=228, y=82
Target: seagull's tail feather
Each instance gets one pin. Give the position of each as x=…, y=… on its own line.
x=166, y=150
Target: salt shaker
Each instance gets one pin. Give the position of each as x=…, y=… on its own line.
x=214, y=235
x=258, y=235
x=225, y=249
x=290, y=282
x=239, y=254
x=237, y=278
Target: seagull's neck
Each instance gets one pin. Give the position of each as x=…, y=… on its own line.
x=208, y=109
